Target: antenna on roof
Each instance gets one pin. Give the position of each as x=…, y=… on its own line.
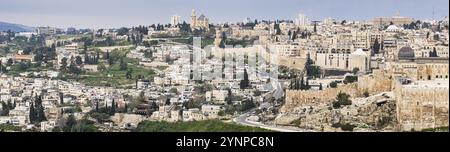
x=433, y=14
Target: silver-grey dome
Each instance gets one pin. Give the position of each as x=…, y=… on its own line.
x=406, y=53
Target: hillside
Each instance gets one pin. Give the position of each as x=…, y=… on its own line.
x=15, y=27
x=195, y=126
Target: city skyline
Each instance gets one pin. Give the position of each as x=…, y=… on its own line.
x=317, y=66
x=115, y=13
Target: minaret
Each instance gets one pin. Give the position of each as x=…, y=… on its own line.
x=193, y=19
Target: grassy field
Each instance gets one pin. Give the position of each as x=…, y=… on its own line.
x=115, y=77
x=438, y=129
x=8, y=127
x=17, y=68
x=195, y=126
x=205, y=41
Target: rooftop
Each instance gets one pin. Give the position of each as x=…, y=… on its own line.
x=433, y=84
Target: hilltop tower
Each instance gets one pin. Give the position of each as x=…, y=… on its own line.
x=218, y=38
x=193, y=18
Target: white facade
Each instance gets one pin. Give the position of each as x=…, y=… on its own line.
x=360, y=60
x=302, y=20
x=211, y=110
x=175, y=20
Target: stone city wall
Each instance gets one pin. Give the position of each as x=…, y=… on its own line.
x=378, y=81
x=296, y=98
x=419, y=109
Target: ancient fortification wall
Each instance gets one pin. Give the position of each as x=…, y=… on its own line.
x=295, y=98
x=418, y=109
x=378, y=81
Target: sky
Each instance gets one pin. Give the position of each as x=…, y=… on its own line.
x=127, y=13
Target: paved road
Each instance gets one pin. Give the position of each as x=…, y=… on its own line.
x=277, y=92
x=242, y=119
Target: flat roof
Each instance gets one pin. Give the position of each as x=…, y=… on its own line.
x=439, y=83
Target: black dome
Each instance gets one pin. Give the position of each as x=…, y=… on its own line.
x=406, y=53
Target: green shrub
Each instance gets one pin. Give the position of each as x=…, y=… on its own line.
x=333, y=84
x=195, y=126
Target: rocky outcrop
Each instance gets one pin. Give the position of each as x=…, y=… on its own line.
x=124, y=119
x=365, y=114
x=301, y=98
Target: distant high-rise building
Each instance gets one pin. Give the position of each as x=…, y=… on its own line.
x=328, y=21
x=175, y=20
x=48, y=30
x=302, y=20
x=193, y=18
x=397, y=20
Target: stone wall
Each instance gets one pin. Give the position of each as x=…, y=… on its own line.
x=370, y=115
x=420, y=69
x=423, y=104
x=300, y=98
x=378, y=81
x=122, y=119
x=422, y=108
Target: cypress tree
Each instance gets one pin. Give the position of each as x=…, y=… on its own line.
x=294, y=35
x=434, y=53
x=125, y=109
x=32, y=114
x=301, y=84
x=40, y=115
x=277, y=29
x=5, y=109
x=290, y=85
x=245, y=83
x=107, y=54
x=113, y=107
x=315, y=27
x=86, y=58
x=96, y=106
x=229, y=97
x=98, y=57
x=9, y=105
x=61, y=98
x=376, y=47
